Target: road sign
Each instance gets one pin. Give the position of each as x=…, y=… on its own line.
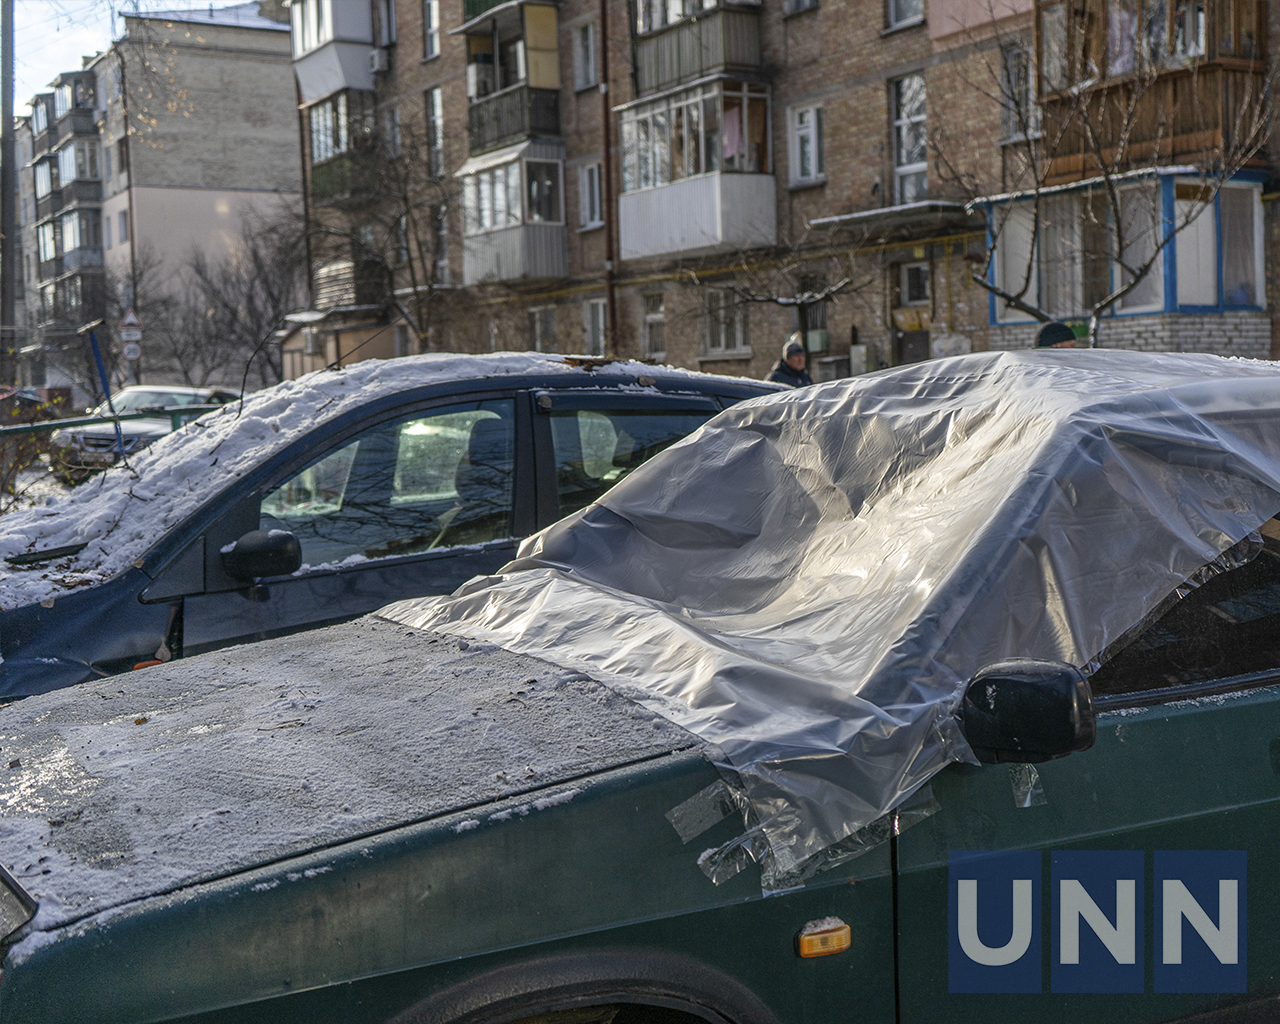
x=131, y=350
x=131, y=320
x=131, y=334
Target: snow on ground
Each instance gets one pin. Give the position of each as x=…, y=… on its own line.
x=121, y=513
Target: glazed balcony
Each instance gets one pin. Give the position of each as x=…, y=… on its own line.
x=347, y=177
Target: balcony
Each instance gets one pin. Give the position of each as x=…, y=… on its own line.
x=49, y=205
x=719, y=211
x=523, y=252
x=49, y=269
x=77, y=121
x=45, y=141
x=85, y=257
x=517, y=113
x=721, y=40
x=350, y=176
x=81, y=191
x=333, y=67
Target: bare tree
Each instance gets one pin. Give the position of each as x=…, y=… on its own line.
x=1089, y=127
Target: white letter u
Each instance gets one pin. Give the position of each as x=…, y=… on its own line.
x=967, y=925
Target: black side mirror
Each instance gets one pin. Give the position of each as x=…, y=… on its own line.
x=263, y=553
x=1027, y=711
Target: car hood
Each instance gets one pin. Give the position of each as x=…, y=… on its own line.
x=811, y=579
x=141, y=784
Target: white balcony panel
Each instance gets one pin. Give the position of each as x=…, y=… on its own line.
x=333, y=67
x=527, y=250
x=711, y=211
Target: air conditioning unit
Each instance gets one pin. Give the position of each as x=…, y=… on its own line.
x=379, y=61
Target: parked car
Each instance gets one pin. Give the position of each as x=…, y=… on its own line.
x=321, y=499
x=752, y=773
x=78, y=451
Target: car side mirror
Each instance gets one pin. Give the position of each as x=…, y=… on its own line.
x=1027, y=711
x=262, y=553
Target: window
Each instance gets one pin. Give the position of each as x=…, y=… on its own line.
x=78, y=162
x=39, y=117
x=593, y=326
x=1227, y=626
x=430, y=28
x=595, y=448
x=106, y=232
x=543, y=180
x=806, y=145
x=1189, y=28
x=1196, y=246
x=720, y=126
x=542, y=328
x=726, y=323
x=1240, y=246
x=328, y=120
x=439, y=225
x=811, y=318
x=402, y=340
x=124, y=226
x=71, y=232
x=1142, y=220
x=404, y=487
x=585, y=71
x=47, y=242
x=435, y=131
x=590, y=196
x=62, y=100
x=391, y=131
x=909, y=167
x=654, y=339
x=1020, y=112
x=312, y=24
x=905, y=12
x=913, y=284
x=492, y=198
x=387, y=22
x=44, y=179
x=106, y=164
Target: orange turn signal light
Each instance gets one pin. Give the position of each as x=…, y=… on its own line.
x=147, y=664
x=823, y=937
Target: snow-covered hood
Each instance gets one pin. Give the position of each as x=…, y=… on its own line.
x=121, y=513
x=144, y=783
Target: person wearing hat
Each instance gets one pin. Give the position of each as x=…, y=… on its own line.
x=790, y=368
x=1056, y=335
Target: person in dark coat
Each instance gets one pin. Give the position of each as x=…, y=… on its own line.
x=790, y=368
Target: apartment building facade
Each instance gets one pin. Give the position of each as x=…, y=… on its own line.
x=153, y=151
x=694, y=181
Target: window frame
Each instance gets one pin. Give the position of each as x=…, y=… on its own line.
x=652, y=317
x=591, y=196
x=595, y=321
x=814, y=131
x=433, y=103
x=586, y=56
x=901, y=123
x=717, y=325
x=430, y=29
x=894, y=22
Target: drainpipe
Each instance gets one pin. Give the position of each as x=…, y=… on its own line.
x=129, y=215
x=306, y=188
x=606, y=184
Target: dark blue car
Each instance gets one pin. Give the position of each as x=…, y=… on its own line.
x=318, y=502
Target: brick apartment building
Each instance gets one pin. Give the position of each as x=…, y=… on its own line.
x=150, y=152
x=693, y=180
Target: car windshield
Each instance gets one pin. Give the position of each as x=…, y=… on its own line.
x=132, y=400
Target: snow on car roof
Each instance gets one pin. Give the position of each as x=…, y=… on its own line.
x=810, y=581
x=121, y=513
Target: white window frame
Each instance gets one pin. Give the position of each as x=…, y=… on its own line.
x=1259, y=281
x=430, y=29
x=653, y=317
x=44, y=178
x=528, y=205
x=719, y=326
x=797, y=133
x=124, y=225
x=439, y=222
x=46, y=242
x=435, y=131
x=591, y=197
x=586, y=64
x=312, y=25
x=480, y=208
x=901, y=122
x=540, y=319
x=904, y=270
x=595, y=327
x=1016, y=93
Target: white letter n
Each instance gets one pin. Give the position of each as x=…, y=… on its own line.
x=1223, y=941
x=1074, y=903
x=967, y=925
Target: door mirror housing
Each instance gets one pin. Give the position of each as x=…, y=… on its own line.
x=262, y=553
x=1027, y=711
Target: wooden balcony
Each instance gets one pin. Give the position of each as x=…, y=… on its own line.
x=519, y=112
x=1195, y=116
x=726, y=39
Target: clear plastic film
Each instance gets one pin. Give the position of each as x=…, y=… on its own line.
x=808, y=582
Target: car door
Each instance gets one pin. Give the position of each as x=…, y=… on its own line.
x=588, y=440
x=1145, y=863
x=414, y=504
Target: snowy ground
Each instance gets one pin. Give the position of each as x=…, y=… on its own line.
x=33, y=488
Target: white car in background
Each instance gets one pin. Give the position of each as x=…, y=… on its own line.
x=78, y=451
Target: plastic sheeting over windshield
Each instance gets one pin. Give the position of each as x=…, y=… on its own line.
x=809, y=581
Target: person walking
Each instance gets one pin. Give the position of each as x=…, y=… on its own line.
x=790, y=368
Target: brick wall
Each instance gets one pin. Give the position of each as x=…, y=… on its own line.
x=1237, y=333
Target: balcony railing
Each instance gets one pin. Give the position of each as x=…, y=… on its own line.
x=719, y=40
x=348, y=176
x=78, y=120
x=511, y=115
x=49, y=205
x=475, y=8
x=80, y=191
x=1189, y=115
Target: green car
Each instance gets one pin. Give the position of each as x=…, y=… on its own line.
x=951, y=693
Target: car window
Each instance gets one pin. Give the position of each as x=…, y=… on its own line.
x=595, y=448
x=403, y=487
x=135, y=401
x=1228, y=626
